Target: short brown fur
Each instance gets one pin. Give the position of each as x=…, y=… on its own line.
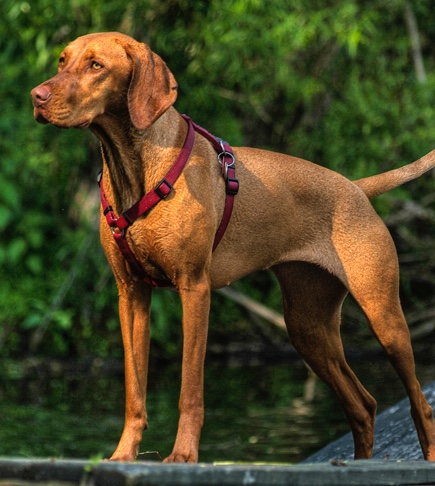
x=315, y=229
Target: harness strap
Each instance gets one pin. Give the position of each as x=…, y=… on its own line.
x=231, y=189
x=118, y=225
x=227, y=161
x=161, y=191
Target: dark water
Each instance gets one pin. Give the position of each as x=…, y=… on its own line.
x=253, y=413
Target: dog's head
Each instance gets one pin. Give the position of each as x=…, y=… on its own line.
x=105, y=75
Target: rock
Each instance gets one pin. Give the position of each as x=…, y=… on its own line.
x=395, y=436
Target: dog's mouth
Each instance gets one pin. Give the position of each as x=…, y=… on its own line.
x=84, y=124
x=39, y=117
x=45, y=119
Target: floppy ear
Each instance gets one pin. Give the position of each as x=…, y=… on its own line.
x=153, y=88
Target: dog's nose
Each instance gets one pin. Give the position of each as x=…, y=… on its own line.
x=40, y=95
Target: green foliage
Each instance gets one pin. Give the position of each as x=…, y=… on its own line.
x=332, y=82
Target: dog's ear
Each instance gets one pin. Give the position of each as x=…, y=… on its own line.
x=153, y=88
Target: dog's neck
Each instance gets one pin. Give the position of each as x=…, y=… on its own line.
x=133, y=160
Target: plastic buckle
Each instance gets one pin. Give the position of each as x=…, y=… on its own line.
x=232, y=186
x=108, y=210
x=163, y=189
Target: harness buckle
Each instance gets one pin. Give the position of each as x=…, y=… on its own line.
x=163, y=189
x=232, y=186
x=109, y=209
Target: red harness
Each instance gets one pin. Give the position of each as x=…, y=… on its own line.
x=119, y=225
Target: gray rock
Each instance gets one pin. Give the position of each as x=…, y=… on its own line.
x=395, y=436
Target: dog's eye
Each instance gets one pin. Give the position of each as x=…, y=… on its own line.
x=96, y=65
x=61, y=62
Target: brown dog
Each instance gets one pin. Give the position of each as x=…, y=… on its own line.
x=315, y=229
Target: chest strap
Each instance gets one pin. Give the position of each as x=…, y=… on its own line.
x=119, y=225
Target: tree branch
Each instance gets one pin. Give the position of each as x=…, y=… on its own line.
x=411, y=24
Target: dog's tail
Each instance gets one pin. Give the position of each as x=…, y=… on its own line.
x=378, y=184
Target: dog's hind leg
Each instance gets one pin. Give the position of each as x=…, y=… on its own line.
x=390, y=328
x=312, y=306
x=375, y=286
x=370, y=264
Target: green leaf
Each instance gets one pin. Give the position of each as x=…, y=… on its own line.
x=16, y=250
x=5, y=217
x=34, y=264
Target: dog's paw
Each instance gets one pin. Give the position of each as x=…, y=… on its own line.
x=182, y=457
x=122, y=458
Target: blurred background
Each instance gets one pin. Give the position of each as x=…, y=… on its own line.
x=348, y=84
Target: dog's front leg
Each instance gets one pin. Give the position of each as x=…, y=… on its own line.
x=134, y=312
x=195, y=300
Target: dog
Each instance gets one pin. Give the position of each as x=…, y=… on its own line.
x=316, y=230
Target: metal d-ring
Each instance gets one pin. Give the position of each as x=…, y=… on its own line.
x=117, y=231
x=225, y=153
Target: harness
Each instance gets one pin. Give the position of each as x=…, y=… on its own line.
x=119, y=225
